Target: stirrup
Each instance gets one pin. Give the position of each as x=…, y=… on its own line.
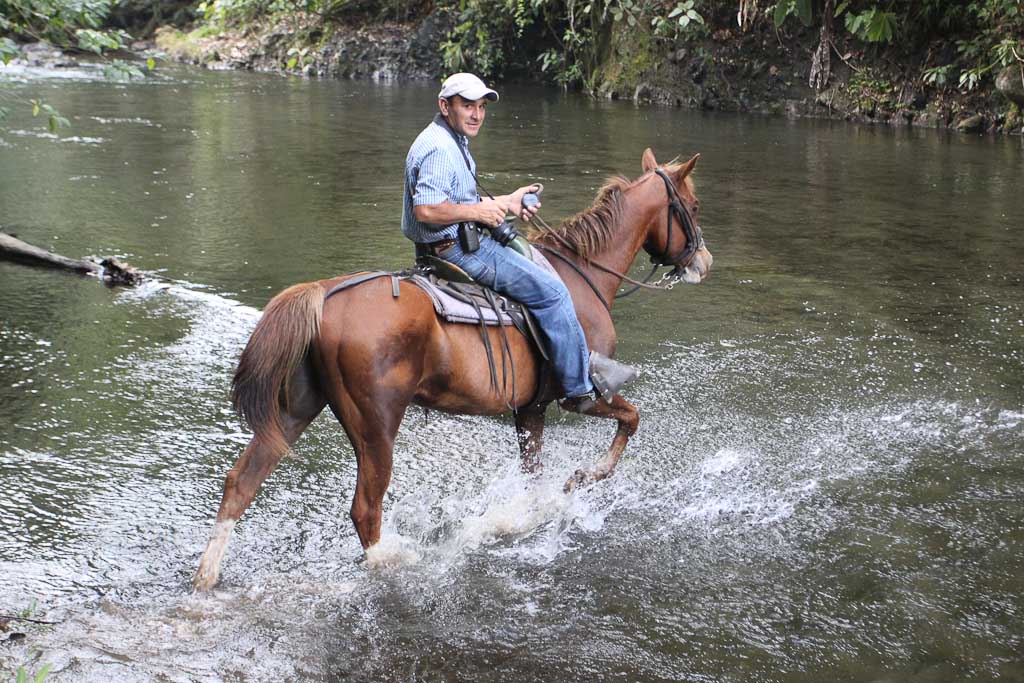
x=608, y=375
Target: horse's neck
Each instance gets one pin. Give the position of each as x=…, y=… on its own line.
x=622, y=249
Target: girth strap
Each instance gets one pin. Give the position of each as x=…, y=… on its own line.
x=506, y=351
x=485, y=338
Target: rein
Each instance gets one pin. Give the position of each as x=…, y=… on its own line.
x=694, y=241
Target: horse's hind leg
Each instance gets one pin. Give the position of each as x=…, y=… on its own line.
x=258, y=460
x=619, y=409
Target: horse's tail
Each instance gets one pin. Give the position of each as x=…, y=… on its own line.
x=290, y=323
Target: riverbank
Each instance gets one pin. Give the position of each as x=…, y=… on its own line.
x=761, y=70
x=302, y=45
x=758, y=71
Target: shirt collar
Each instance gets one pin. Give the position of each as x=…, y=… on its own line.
x=461, y=139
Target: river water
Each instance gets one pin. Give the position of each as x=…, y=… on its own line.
x=827, y=479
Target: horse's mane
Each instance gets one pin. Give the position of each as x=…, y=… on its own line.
x=590, y=230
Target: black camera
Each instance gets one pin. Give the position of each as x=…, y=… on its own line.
x=504, y=233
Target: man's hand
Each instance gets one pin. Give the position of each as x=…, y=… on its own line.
x=515, y=202
x=490, y=212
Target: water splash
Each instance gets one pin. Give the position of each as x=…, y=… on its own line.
x=716, y=493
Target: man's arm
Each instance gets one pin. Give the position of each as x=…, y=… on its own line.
x=487, y=211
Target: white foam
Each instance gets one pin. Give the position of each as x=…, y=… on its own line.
x=33, y=134
x=392, y=550
x=83, y=140
x=514, y=513
x=725, y=460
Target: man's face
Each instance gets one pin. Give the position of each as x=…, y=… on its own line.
x=464, y=116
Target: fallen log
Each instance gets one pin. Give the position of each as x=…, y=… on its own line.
x=110, y=270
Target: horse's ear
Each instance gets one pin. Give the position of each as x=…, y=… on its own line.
x=647, y=161
x=687, y=168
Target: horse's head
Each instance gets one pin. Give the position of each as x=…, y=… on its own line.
x=673, y=236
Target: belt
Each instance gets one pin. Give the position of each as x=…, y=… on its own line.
x=433, y=248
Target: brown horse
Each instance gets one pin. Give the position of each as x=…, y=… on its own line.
x=369, y=355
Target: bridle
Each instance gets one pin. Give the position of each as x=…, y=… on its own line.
x=694, y=242
x=692, y=231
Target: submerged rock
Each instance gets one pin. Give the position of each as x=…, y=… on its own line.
x=971, y=124
x=41, y=54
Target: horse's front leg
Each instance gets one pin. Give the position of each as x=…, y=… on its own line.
x=628, y=417
x=371, y=416
x=530, y=433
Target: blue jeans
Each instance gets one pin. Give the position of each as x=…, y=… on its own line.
x=518, y=278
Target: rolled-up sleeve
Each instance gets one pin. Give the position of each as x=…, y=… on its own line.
x=434, y=179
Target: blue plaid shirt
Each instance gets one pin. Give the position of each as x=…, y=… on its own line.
x=435, y=172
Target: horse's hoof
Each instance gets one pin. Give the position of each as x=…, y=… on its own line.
x=204, y=580
x=580, y=478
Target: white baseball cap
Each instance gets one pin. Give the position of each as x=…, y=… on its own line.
x=467, y=86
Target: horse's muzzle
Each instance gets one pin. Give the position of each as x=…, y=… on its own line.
x=698, y=268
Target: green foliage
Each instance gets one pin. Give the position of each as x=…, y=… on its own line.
x=871, y=90
x=872, y=26
x=988, y=34
x=31, y=609
x=489, y=35
x=998, y=42
x=221, y=13
x=98, y=41
x=937, y=75
x=798, y=8
x=57, y=21
x=24, y=676
x=231, y=12
x=120, y=70
x=54, y=120
x=67, y=24
x=625, y=9
x=680, y=18
x=8, y=50
x=298, y=57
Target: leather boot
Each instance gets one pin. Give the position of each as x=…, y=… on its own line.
x=608, y=375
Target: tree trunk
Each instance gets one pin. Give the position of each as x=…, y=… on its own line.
x=821, y=63
x=110, y=270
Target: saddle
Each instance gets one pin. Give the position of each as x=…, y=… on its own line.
x=457, y=298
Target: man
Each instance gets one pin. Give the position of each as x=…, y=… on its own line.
x=441, y=214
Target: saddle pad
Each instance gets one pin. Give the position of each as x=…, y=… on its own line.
x=456, y=311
